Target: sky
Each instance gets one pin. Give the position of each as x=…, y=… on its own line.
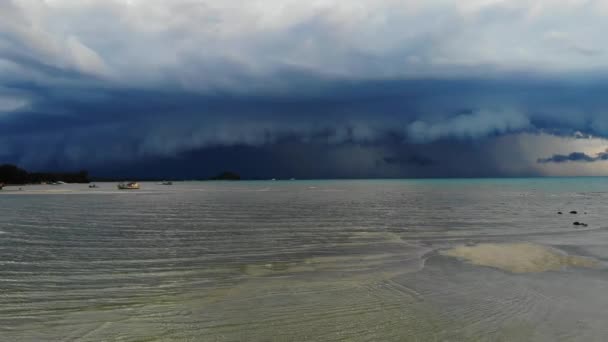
x=305, y=89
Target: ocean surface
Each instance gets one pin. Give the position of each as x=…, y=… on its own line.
x=303, y=261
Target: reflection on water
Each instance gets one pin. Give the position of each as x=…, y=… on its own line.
x=305, y=261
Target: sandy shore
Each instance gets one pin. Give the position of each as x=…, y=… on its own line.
x=518, y=257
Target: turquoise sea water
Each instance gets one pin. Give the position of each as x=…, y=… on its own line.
x=299, y=261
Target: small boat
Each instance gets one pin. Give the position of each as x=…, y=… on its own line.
x=166, y=183
x=1, y=186
x=128, y=186
x=93, y=186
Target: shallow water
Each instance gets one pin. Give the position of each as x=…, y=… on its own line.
x=301, y=261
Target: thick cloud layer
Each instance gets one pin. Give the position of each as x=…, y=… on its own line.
x=395, y=85
x=165, y=41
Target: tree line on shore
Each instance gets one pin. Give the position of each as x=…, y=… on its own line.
x=12, y=174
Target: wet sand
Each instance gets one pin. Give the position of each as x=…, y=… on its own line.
x=519, y=257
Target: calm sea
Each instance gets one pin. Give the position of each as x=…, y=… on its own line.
x=299, y=261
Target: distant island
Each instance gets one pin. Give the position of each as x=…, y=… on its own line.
x=12, y=174
x=227, y=176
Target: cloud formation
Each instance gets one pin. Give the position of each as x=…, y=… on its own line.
x=470, y=126
x=101, y=81
x=575, y=157
x=165, y=41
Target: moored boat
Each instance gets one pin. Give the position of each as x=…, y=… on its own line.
x=128, y=186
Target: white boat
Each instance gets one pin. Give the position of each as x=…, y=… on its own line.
x=166, y=183
x=128, y=186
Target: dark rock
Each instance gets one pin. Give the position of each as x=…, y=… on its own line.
x=559, y=213
x=574, y=212
x=577, y=223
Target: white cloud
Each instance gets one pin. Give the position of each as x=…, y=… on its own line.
x=190, y=42
x=11, y=103
x=27, y=32
x=468, y=126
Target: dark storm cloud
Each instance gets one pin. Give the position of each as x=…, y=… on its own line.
x=409, y=160
x=117, y=82
x=575, y=157
x=93, y=125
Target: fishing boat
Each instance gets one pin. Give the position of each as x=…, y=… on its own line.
x=128, y=186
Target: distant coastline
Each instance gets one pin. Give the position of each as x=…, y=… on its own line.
x=14, y=175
